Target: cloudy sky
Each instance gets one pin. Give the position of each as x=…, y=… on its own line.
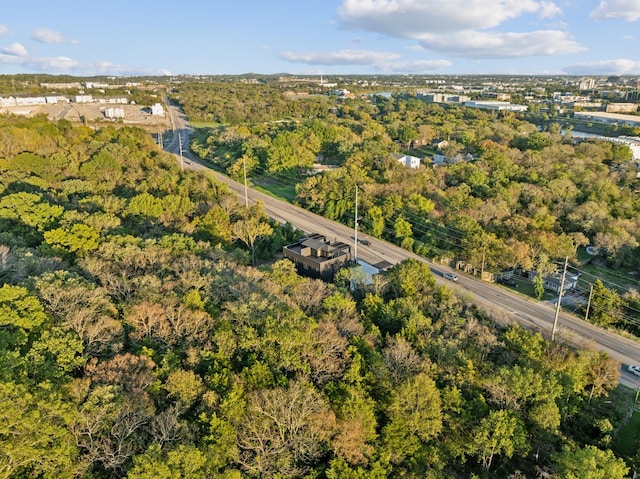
x=116, y=37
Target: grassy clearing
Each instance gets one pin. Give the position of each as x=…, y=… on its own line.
x=626, y=444
x=205, y=124
x=282, y=192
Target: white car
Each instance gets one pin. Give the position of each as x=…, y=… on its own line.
x=450, y=276
x=634, y=370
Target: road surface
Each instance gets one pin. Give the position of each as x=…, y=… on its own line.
x=503, y=303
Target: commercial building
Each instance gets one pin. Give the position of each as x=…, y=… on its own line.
x=621, y=108
x=156, y=109
x=608, y=118
x=114, y=113
x=495, y=105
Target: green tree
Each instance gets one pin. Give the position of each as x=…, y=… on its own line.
x=415, y=417
x=500, y=433
x=605, y=304
x=79, y=238
x=35, y=439
x=250, y=227
x=589, y=462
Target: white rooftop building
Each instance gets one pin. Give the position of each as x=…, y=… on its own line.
x=156, y=109
x=608, y=118
x=114, y=113
x=495, y=105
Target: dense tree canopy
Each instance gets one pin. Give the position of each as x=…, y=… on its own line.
x=137, y=341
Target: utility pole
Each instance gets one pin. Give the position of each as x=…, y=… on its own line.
x=586, y=315
x=180, y=147
x=244, y=166
x=555, y=319
x=355, y=227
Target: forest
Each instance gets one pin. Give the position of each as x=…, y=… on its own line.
x=140, y=341
x=514, y=198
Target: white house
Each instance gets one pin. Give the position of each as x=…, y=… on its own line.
x=407, y=160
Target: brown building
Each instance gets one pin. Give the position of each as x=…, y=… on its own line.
x=318, y=257
x=622, y=108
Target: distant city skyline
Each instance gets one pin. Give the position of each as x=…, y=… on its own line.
x=330, y=37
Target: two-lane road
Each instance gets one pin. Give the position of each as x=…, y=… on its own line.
x=506, y=305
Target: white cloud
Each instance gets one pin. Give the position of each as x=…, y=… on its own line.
x=4, y=30
x=456, y=26
x=342, y=57
x=549, y=10
x=622, y=66
x=15, y=49
x=381, y=61
x=46, y=35
x=416, y=66
x=70, y=66
x=628, y=10
x=476, y=44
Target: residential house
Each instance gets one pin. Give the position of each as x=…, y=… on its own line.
x=407, y=160
x=317, y=257
x=440, y=160
x=552, y=282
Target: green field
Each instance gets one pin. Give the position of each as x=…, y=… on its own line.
x=282, y=192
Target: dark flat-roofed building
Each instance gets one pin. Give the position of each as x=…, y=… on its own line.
x=318, y=257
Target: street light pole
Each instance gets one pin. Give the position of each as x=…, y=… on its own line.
x=555, y=319
x=180, y=147
x=355, y=234
x=246, y=195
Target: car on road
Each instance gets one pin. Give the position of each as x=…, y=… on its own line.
x=450, y=276
x=634, y=370
x=364, y=242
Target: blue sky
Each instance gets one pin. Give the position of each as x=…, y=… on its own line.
x=582, y=37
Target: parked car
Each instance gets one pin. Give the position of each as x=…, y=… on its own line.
x=450, y=276
x=634, y=370
x=508, y=282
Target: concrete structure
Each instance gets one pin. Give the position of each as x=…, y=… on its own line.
x=317, y=257
x=407, y=160
x=114, y=113
x=156, y=109
x=84, y=99
x=113, y=101
x=38, y=100
x=608, y=118
x=8, y=101
x=495, y=105
x=53, y=100
x=61, y=86
x=431, y=97
x=621, y=108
